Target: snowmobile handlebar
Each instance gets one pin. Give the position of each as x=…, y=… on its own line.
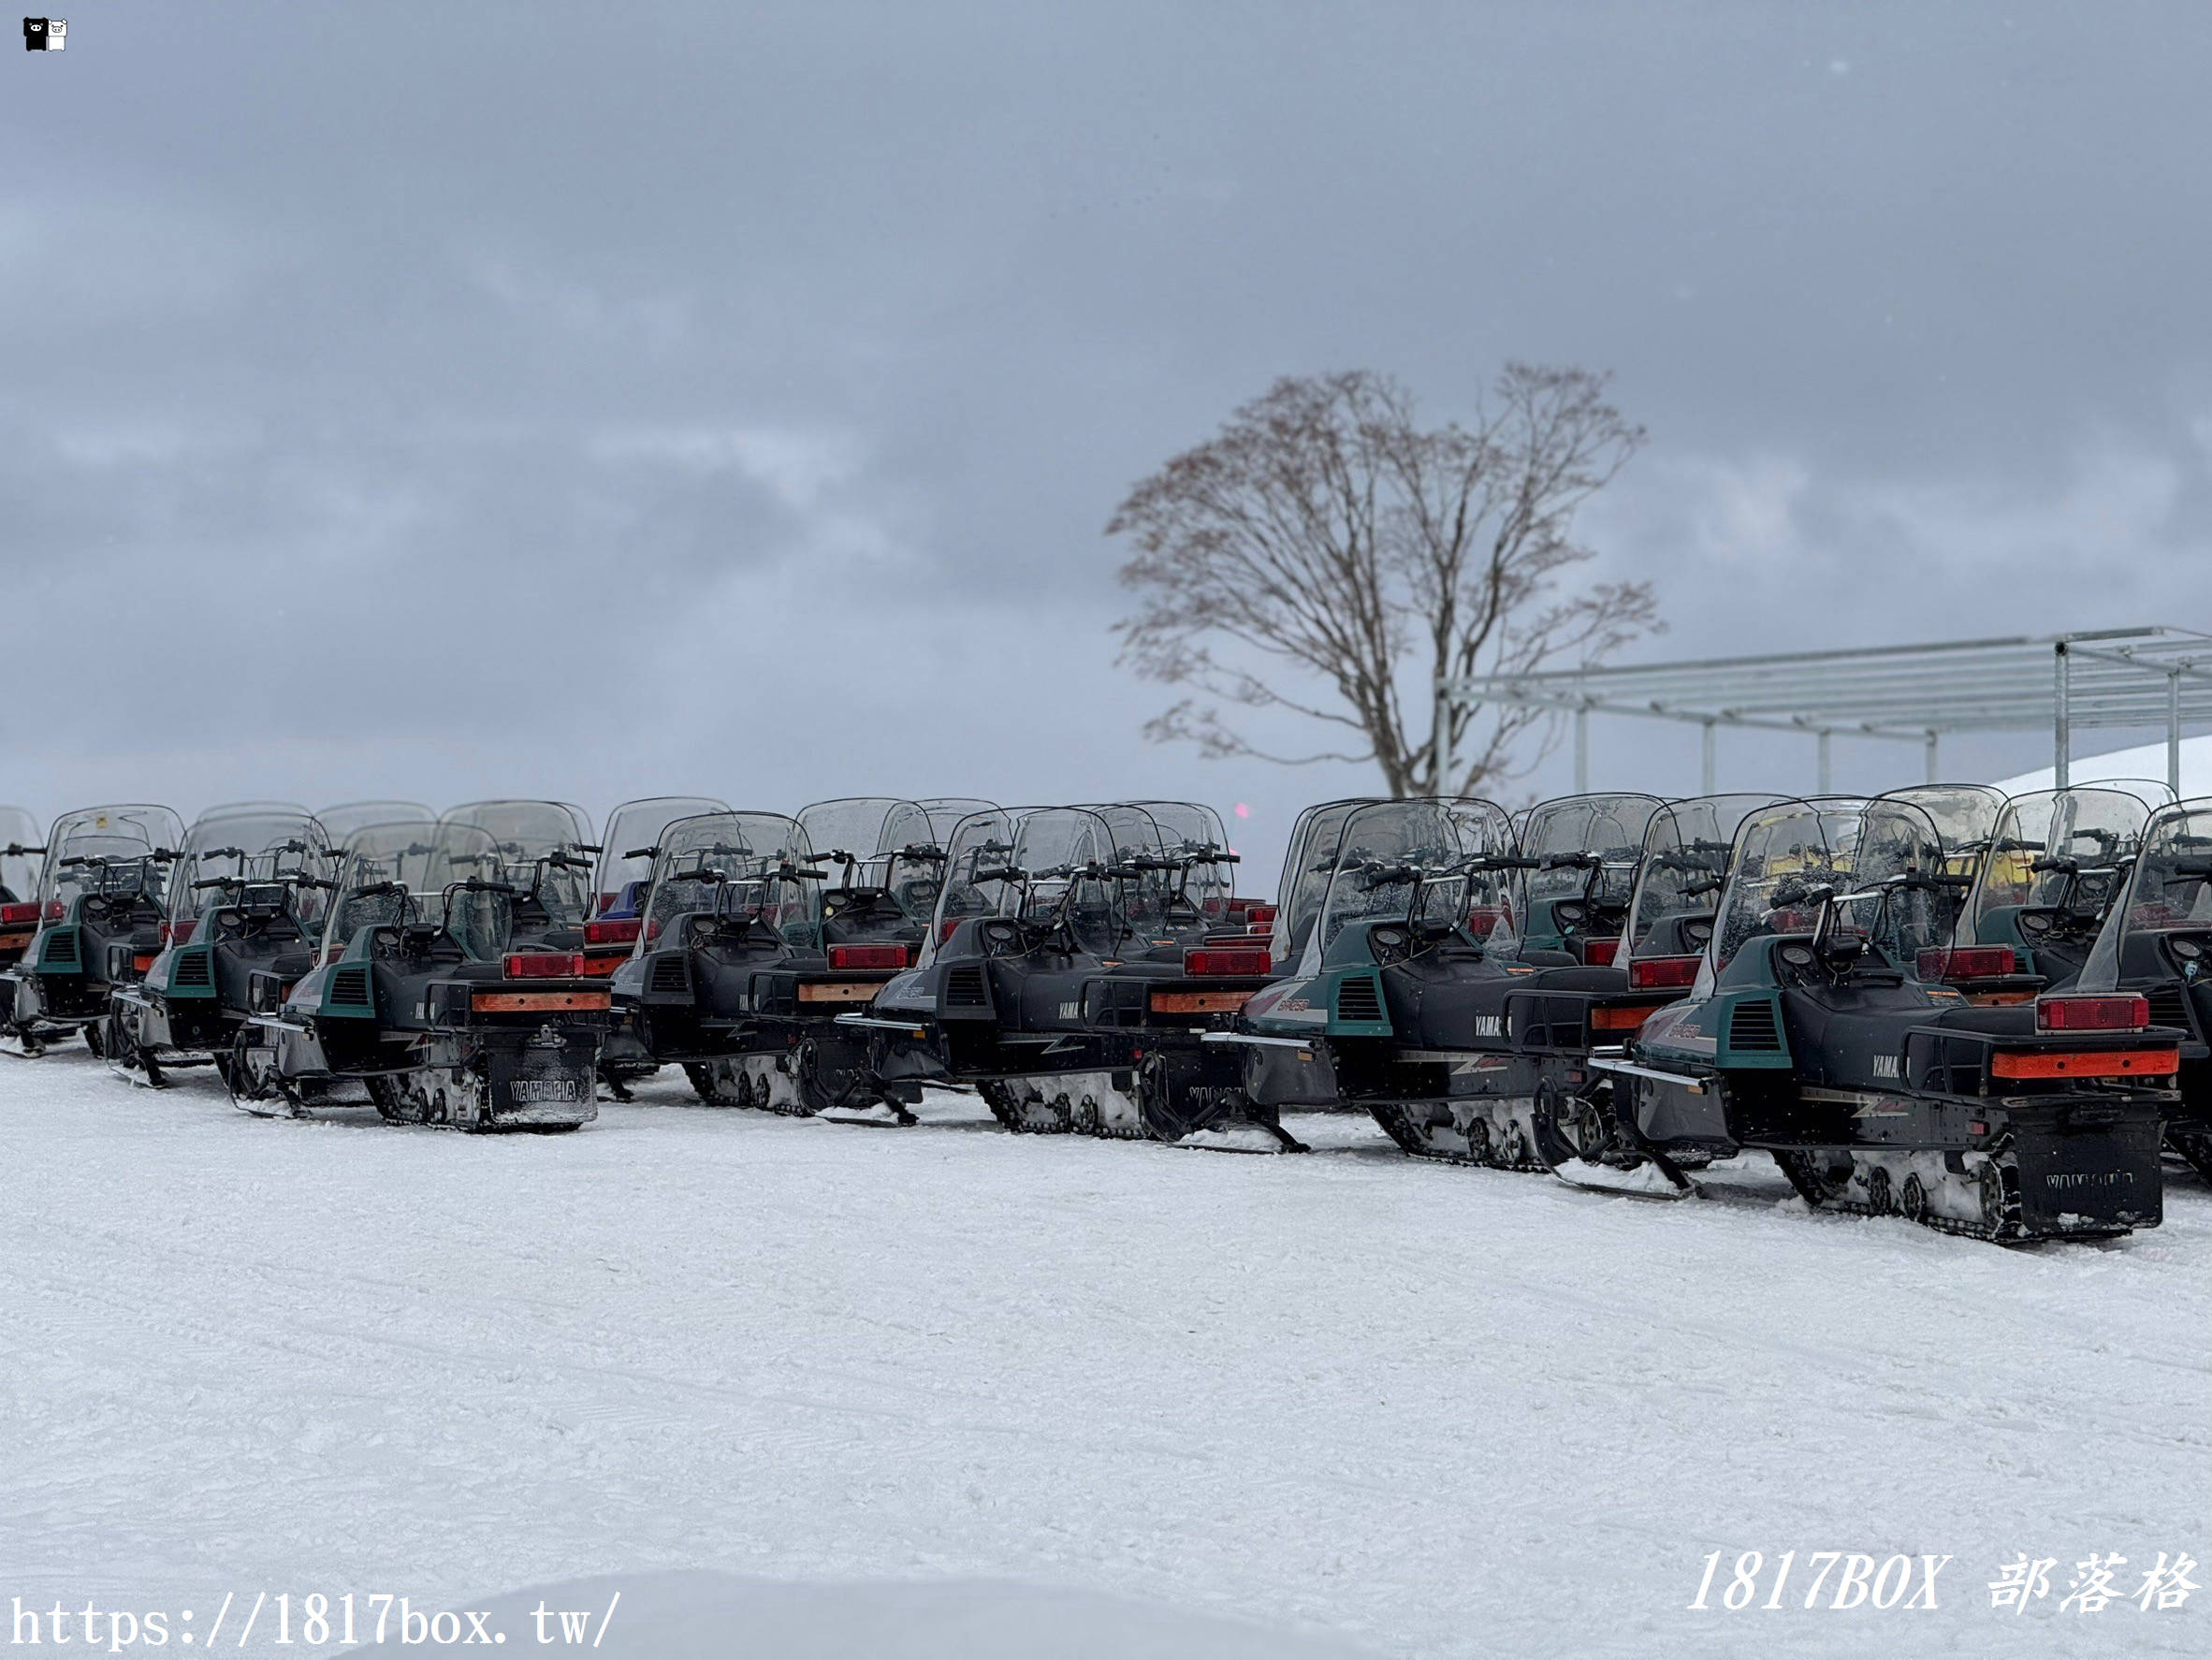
x=643, y=852
x=16, y=850
x=1006, y=873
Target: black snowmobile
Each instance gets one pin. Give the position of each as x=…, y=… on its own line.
x=1055, y=984
x=2056, y=860
x=247, y=899
x=2156, y=944
x=419, y=995
x=1447, y=1029
x=102, y=899
x=1582, y=853
x=1808, y=1035
x=19, y=913
x=744, y=965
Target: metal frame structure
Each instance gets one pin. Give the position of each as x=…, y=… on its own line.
x=2137, y=678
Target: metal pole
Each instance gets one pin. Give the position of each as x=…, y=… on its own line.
x=1709, y=784
x=2174, y=731
x=1583, y=751
x=1931, y=757
x=2061, y=738
x=1825, y=735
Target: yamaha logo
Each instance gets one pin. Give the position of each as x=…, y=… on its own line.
x=1490, y=1025
x=1886, y=1066
x=2099, y=1178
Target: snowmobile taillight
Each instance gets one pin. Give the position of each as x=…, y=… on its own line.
x=622, y=931
x=1200, y=960
x=53, y=910
x=1482, y=921
x=2125, y=1011
x=1598, y=953
x=1968, y=962
x=543, y=964
x=1259, y=918
x=14, y=916
x=868, y=956
x=1662, y=973
x=1623, y=1018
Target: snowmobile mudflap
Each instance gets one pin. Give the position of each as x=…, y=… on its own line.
x=549, y=1079
x=876, y=1114
x=2087, y=1166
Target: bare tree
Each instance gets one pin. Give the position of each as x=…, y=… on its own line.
x=1324, y=537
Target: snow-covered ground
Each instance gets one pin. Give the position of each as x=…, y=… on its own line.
x=1415, y=1409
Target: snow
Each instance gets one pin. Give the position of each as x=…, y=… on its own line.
x=2144, y=761
x=951, y=1375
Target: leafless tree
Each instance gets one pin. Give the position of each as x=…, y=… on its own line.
x=1324, y=539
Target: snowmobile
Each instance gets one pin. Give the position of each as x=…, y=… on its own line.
x=2056, y=861
x=102, y=900
x=1583, y=850
x=2156, y=944
x=744, y=963
x=419, y=996
x=544, y=849
x=339, y=823
x=19, y=881
x=1449, y=1032
x=1809, y=1035
x=1052, y=982
x=247, y=898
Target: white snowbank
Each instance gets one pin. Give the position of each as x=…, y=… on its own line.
x=2146, y=760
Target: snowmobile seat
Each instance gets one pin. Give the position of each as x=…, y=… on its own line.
x=2016, y=1020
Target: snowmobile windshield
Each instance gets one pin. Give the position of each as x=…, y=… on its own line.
x=2154, y=792
x=626, y=851
x=1964, y=815
x=224, y=854
x=19, y=869
x=2055, y=854
x=981, y=846
x=1065, y=865
x=107, y=850
x=2161, y=924
x=1307, y=867
x=1410, y=861
x=860, y=827
x=340, y=821
x=945, y=812
x=1602, y=834
x=526, y=829
x=1896, y=898
x=396, y=874
x=1193, y=833
x=753, y=866
x=1783, y=855
x=1679, y=879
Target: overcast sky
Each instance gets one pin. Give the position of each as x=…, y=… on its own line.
x=468, y=400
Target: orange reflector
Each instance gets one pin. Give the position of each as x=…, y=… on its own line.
x=1617, y=1020
x=863, y=991
x=534, y=1002
x=2112, y=1063
x=1198, y=1003
x=14, y=941
x=595, y=968
x=140, y=964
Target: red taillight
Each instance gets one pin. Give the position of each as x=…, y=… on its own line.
x=543, y=964
x=622, y=932
x=1661, y=973
x=1624, y=1019
x=179, y=933
x=946, y=928
x=1967, y=962
x=1598, y=953
x=607, y=902
x=14, y=916
x=1482, y=921
x=1226, y=959
x=868, y=956
x=53, y=910
x=1259, y=918
x=2122, y=1012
